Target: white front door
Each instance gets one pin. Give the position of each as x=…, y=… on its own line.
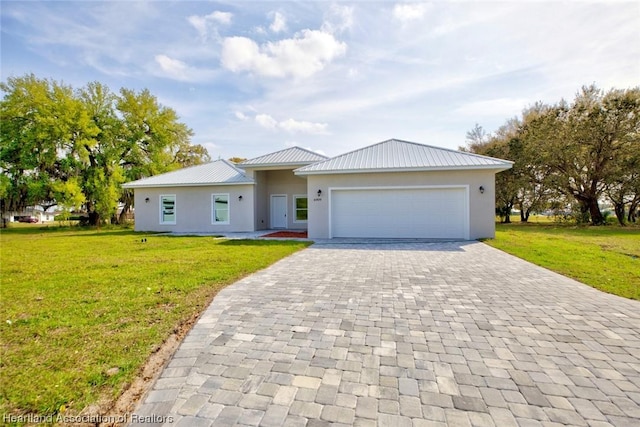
x=279, y=211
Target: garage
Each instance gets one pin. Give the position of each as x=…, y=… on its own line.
x=439, y=212
x=401, y=189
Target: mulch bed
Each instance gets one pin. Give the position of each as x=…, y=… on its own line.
x=289, y=234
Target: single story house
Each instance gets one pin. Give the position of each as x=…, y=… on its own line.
x=393, y=189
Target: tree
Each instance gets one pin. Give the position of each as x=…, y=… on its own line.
x=535, y=189
x=520, y=186
x=480, y=142
x=98, y=163
x=153, y=140
x=623, y=185
x=580, y=151
x=43, y=125
x=583, y=143
x=66, y=147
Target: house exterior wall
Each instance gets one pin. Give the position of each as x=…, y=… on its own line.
x=194, y=209
x=261, y=200
x=481, y=206
x=276, y=182
x=280, y=182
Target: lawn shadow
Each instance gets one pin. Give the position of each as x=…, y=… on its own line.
x=572, y=229
x=77, y=231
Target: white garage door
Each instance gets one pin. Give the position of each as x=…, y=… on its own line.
x=400, y=213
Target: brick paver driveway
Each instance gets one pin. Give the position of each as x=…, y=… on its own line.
x=417, y=334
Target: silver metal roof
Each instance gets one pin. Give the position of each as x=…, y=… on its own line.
x=289, y=156
x=219, y=172
x=397, y=155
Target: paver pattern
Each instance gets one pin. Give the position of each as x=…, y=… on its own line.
x=405, y=334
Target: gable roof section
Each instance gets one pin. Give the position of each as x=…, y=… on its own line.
x=219, y=172
x=395, y=155
x=294, y=156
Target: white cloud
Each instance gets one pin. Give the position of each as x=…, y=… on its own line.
x=172, y=67
x=175, y=69
x=295, y=126
x=241, y=116
x=428, y=75
x=410, y=11
x=221, y=17
x=279, y=23
x=206, y=25
x=338, y=19
x=302, y=56
x=266, y=121
x=291, y=125
x=503, y=107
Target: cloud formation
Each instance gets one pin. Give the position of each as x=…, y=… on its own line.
x=279, y=23
x=291, y=125
x=338, y=19
x=172, y=67
x=207, y=25
x=425, y=72
x=410, y=11
x=168, y=67
x=307, y=53
x=507, y=107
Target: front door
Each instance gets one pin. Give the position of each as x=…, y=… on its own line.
x=279, y=211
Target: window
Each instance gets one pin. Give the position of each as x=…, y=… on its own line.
x=220, y=209
x=168, y=209
x=300, y=207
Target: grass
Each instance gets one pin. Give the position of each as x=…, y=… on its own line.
x=606, y=257
x=82, y=310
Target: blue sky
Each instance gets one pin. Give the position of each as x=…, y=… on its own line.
x=254, y=77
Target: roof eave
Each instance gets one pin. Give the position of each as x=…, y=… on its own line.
x=275, y=165
x=187, y=184
x=417, y=169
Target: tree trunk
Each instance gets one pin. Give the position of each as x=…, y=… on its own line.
x=123, y=214
x=506, y=213
x=94, y=218
x=584, y=212
x=619, y=211
x=594, y=211
x=633, y=211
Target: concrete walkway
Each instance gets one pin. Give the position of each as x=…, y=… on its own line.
x=405, y=334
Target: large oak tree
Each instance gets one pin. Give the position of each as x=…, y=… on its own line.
x=586, y=143
x=583, y=152
x=72, y=148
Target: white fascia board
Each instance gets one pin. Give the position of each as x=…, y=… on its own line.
x=273, y=166
x=204, y=184
x=429, y=169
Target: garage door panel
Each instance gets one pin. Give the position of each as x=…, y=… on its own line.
x=399, y=213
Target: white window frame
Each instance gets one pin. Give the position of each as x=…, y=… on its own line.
x=213, y=209
x=295, y=208
x=175, y=209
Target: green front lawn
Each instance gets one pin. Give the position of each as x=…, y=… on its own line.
x=82, y=310
x=607, y=257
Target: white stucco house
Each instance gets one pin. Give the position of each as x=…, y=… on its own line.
x=393, y=189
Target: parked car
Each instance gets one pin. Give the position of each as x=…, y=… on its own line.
x=30, y=219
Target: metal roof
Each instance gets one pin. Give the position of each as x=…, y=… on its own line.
x=289, y=156
x=396, y=155
x=219, y=172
